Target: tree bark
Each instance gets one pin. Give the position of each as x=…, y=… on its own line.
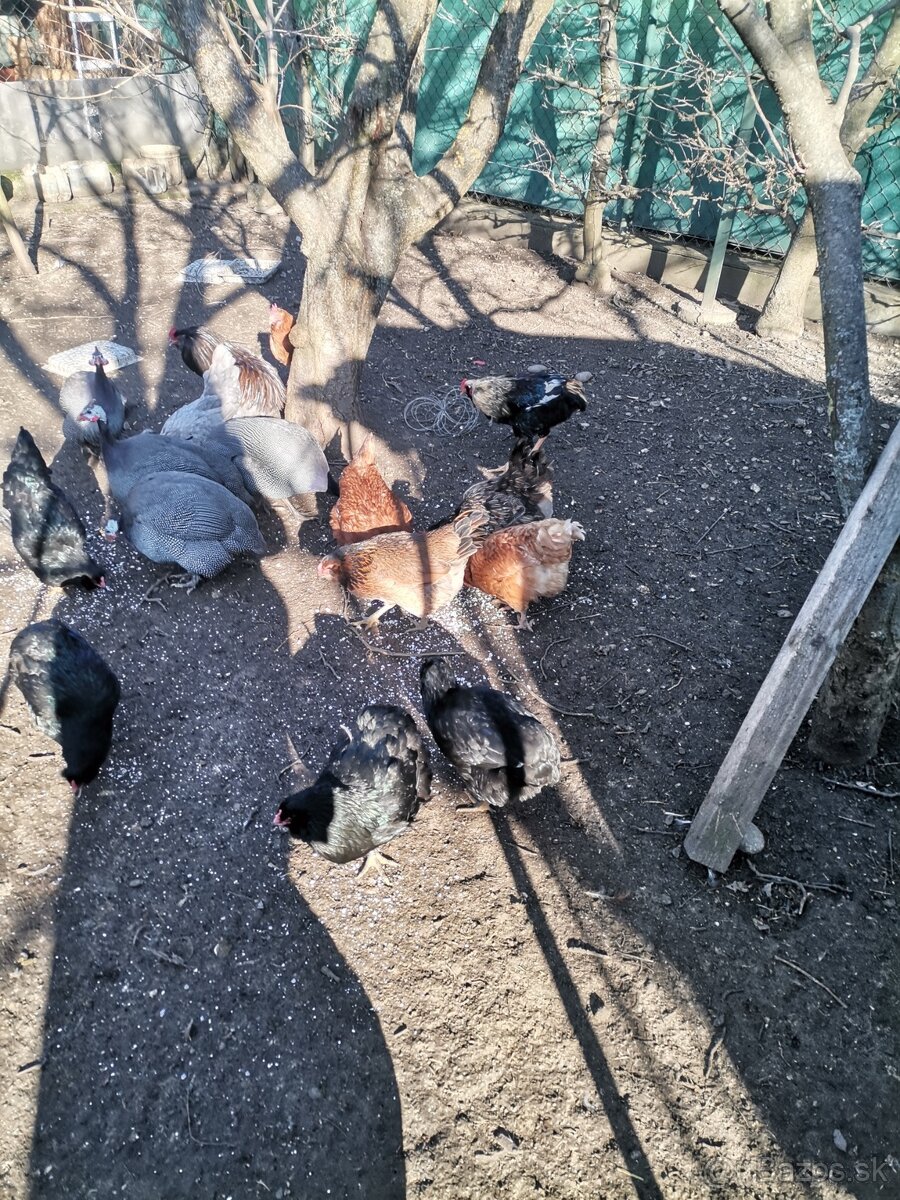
x=782, y=314
x=594, y=269
x=855, y=699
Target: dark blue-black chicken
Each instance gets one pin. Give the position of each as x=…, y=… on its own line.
x=71, y=692
x=368, y=793
x=46, y=530
x=502, y=752
x=532, y=405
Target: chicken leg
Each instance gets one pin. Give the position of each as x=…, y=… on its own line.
x=377, y=862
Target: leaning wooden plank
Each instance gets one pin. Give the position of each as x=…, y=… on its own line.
x=15, y=238
x=823, y=622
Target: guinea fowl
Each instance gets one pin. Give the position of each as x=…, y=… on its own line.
x=194, y=522
x=277, y=459
x=46, y=530
x=71, y=692
x=260, y=391
x=129, y=460
x=81, y=391
x=532, y=405
x=501, y=751
x=368, y=793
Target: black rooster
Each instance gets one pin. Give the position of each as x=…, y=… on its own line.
x=72, y=694
x=532, y=405
x=502, y=752
x=368, y=793
x=46, y=530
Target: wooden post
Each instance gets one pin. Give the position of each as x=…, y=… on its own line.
x=15, y=238
x=871, y=531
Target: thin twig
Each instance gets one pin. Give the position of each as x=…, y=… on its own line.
x=565, y=712
x=855, y=821
x=409, y=654
x=659, y=637
x=865, y=788
x=327, y=664
x=712, y=527
x=558, y=642
x=197, y=1141
x=818, y=982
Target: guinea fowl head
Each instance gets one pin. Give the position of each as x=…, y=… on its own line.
x=97, y=359
x=93, y=415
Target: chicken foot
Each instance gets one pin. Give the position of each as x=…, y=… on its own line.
x=187, y=580
x=370, y=623
x=377, y=862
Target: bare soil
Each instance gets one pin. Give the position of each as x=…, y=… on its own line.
x=549, y=1002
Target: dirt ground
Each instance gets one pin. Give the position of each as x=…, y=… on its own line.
x=551, y=1001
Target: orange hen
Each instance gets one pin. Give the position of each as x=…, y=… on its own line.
x=367, y=506
x=280, y=325
x=418, y=572
x=525, y=563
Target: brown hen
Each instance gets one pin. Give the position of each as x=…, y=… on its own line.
x=280, y=325
x=525, y=563
x=418, y=572
x=367, y=506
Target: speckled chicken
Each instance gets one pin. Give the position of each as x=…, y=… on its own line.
x=194, y=522
x=129, y=460
x=501, y=751
x=280, y=325
x=81, y=391
x=46, y=530
x=71, y=692
x=260, y=390
x=525, y=563
x=519, y=491
x=366, y=506
x=418, y=572
x=533, y=404
x=368, y=793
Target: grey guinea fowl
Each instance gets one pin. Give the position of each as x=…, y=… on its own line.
x=171, y=517
x=129, y=460
x=221, y=391
x=81, y=391
x=277, y=459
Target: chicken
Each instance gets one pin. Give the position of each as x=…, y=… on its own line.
x=81, y=391
x=519, y=491
x=418, y=572
x=171, y=517
x=501, y=751
x=261, y=392
x=525, y=563
x=46, y=530
x=72, y=694
x=221, y=389
x=368, y=793
x=532, y=405
x=280, y=325
x=366, y=506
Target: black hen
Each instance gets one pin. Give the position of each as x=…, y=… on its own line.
x=46, y=530
x=516, y=493
x=502, y=752
x=72, y=694
x=368, y=793
x=532, y=405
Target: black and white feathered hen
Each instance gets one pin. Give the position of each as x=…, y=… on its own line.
x=71, y=692
x=502, y=752
x=81, y=391
x=368, y=793
x=46, y=530
x=532, y=405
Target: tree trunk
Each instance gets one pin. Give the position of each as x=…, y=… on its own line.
x=855, y=699
x=335, y=325
x=593, y=268
x=782, y=314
